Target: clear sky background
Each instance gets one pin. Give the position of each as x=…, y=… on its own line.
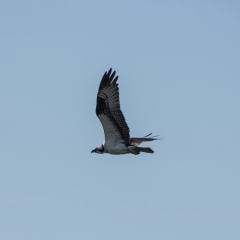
x=178, y=64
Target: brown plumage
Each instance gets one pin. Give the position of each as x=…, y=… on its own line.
x=116, y=130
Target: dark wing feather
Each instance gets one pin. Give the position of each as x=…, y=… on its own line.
x=138, y=141
x=108, y=105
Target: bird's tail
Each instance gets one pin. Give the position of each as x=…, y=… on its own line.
x=145, y=149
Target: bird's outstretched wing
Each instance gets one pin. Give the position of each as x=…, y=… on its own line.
x=108, y=109
x=138, y=141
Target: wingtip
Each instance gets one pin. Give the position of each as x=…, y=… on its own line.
x=108, y=78
x=148, y=135
x=153, y=136
x=109, y=71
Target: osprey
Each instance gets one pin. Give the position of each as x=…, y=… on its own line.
x=116, y=130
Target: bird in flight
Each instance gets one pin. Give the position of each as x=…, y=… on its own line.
x=116, y=130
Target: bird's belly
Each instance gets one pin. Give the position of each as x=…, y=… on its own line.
x=116, y=149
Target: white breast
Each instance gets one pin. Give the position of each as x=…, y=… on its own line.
x=114, y=143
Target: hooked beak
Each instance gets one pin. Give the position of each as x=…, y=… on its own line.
x=92, y=151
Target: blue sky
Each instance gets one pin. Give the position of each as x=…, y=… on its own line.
x=179, y=76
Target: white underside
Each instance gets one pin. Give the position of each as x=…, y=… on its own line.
x=114, y=144
x=117, y=149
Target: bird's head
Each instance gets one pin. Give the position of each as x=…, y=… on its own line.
x=99, y=150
